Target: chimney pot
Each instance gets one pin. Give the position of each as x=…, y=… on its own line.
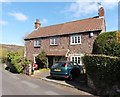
x=101, y=12
x=37, y=24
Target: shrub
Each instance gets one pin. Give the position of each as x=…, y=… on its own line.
x=107, y=43
x=18, y=63
x=41, y=60
x=103, y=70
x=3, y=55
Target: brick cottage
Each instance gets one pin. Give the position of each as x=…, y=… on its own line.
x=67, y=41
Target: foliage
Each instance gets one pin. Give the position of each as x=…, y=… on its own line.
x=106, y=43
x=118, y=36
x=21, y=52
x=103, y=70
x=3, y=55
x=18, y=63
x=41, y=60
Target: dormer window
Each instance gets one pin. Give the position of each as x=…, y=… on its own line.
x=37, y=43
x=53, y=41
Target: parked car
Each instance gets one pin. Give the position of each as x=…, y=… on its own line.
x=67, y=69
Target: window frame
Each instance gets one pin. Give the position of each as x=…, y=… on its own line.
x=75, y=39
x=54, y=41
x=73, y=59
x=37, y=42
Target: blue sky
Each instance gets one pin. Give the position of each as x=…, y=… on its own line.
x=17, y=18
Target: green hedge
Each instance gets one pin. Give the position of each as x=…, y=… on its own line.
x=103, y=70
x=107, y=43
x=17, y=62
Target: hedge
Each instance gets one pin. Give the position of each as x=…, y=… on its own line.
x=107, y=43
x=103, y=70
x=17, y=62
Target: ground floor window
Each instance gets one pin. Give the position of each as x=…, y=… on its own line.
x=76, y=59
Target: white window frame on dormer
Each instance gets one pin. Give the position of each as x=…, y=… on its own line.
x=37, y=42
x=75, y=39
x=53, y=41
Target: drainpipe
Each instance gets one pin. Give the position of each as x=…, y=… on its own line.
x=67, y=53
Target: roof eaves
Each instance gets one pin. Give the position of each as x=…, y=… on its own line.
x=71, y=33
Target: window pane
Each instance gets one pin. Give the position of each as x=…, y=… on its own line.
x=72, y=39
x=78, y=39
x=52, y=41
x=37, y=42
x=56, y=41
x=75, y=39
x=75, y=59
x=79, y=60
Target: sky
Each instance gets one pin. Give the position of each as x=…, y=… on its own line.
x=17, y=18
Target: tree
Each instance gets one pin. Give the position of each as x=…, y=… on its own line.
x=107, y=43
x=41, y=60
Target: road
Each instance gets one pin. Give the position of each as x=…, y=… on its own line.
x=19, y=84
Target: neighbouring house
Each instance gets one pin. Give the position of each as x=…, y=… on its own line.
x=67, y=41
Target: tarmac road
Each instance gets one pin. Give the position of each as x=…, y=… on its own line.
x=19, y=84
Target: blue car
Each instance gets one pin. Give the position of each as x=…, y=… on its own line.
x=67, y=69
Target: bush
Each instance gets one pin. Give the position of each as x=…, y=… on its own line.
x=41, y=60
x=3, y=55
x=107, y=43
x=18, y=63
x=103, y=70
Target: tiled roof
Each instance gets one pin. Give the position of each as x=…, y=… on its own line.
x=89, y=24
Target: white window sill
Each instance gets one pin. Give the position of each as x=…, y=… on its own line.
x=36, y=45
x=75, y=43
x=53, y=44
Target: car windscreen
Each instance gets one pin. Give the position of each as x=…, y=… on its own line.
x=60, y=64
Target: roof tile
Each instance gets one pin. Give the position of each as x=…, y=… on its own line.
x=89, y=24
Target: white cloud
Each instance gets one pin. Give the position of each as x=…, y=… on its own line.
x=5, y=1
x=3, y=22
x=44, y=21
x=82, y=7
x=19, y=16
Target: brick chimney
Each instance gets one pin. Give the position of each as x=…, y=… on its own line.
x=37, y=24
x=101, y=11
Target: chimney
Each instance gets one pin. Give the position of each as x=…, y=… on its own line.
x=37, y=24
x=101, y=11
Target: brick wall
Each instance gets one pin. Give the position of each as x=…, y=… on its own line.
x=64, y=44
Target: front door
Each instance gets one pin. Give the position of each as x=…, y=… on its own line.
x=50, y=61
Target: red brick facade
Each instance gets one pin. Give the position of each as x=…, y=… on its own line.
x=63, y=45
x=68, y=47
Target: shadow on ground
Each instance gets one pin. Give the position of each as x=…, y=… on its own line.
x=79, y=83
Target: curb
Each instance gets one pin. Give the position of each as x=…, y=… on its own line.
x=45, y=79
x=62, y=84
x=57, y=82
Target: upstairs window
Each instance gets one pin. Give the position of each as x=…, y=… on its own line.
x=53, y=41
x=75, y=39
x=37, y=43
